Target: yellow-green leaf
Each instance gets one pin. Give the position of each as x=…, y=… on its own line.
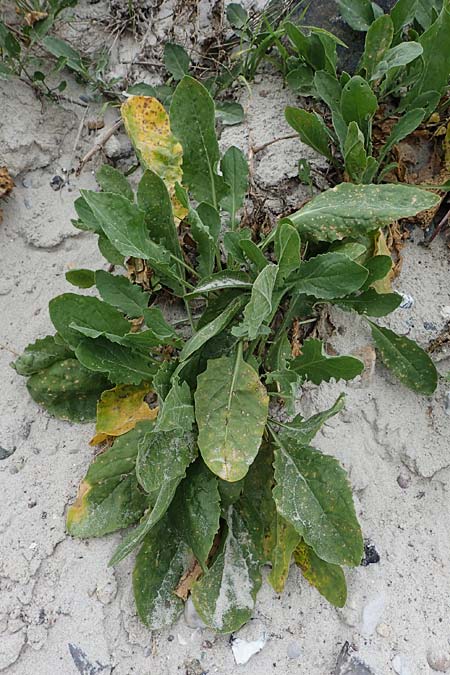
x=121, y=408
x=327, y=578
x=147, y=124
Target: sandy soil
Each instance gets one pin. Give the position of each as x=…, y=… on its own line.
x=61, y=609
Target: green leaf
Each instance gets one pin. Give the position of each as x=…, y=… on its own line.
x=311, y=129
x=398, y=56
x=312, y=493
x=109, y=252
x=352, y=249
x=358, y=103
x=405, y=126
x=123, y=365
x=286, y=541
x=192, y=121
x=353, y=210
x=222, y=280
x=235, y=172
x=109, y=497
x=378, y=40
x=155, y=321
x=260, y=305
x=288, y=384
x=154, y=200
x=316, y=366
x=41, y=355
x=329, y=579
x=236, y=14
x=301, y=80
x=86, y=215
x=213, y=328
x=355, y=156
x=160, y=564
x=287, y=250
x=403, y=13
x=60, y=48
x=409, y=363
x=303, y=431
x=177, y=411
x=112, y=180
x=119, y=292
x=229, y=112
x=176, y=60
x=328, y=276
x=81, y=278
x=67, y=390
x=330, y=91
x=206, y=244
x=436, y=61
x=195, y=511
x=225, y=595
x=371, y=303
x=357, y=13
x=231, y=408
x=252, y=252
x=379, y=267
x=84, y=311
x=164, y=456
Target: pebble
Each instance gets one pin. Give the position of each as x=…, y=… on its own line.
x=4, y=453
x=438, y=660
x=294, y=650
x=383, y=630
x=107, y=592
x=250, y=639
x=407, y=302
x=191, y=616
x=400, y=665
x=371, y=555
x=404, y=479
x=371, y=614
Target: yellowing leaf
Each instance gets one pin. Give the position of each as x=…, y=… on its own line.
x=120, y=409
x=381, y=248
x=147, y=124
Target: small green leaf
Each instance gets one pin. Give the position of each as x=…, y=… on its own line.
x=311, y=129
x=287, y=250
x=329, y=579
x=123, y=365
x=229, y=112
x=409, y=363
x=400, y=55
x=192, y=121
x=81, y=278
x=303, y=431
x=315, y=365
x=164, y=456
x=213, y=328
x=231, y=408
x=176, y=60
x=286, y=541
x=357, y=13
x=60, y=48
x=84, y=311
x=403, y=13
x=405, y=126
x=155, y=321
x=109, y=252
x=252, y=252
x=40, y=355
x=195, y=511
x=260, y=306
x=112, y=180
x=353, y=210
x=177, y=411
x=119, y=292
x=358, y=103
x=160, y=564
x=225, y=595
x=352, y=249
x=109, y=497
x=67, y=390
x=379, y=267
x=378, y=40
x=236, y=14
x=312, y=493
x=235, y=171
x=329, y=275
x=371, y=303
x=355, y=156
x=222, y=280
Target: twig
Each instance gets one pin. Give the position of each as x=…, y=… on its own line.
x=98, y=146
x=438, y=228
x=274, y=140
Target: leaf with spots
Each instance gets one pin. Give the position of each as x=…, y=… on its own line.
x=312, y=493
x=286, y=540
x=231, y=408
x=354, y=210
x=329, y=579
x=409, y=363
x=260, y=306
x=148, y=126
x=121, y=408
x=315, y=365
x=109, y=498
x=122, y=364
x=40, y=355
x=329, y=275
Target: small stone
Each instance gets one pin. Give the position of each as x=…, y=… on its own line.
x=294, y=650
x=371, y=614
x=107, y=592
x=191, y=615
x=404, y=479
x=194, y=667
x=350, y=664
x=57, y=183
x=407, y=302
x=371, y=555
x=112, y=148
x=250, y=639
x=383, y=630
x=4, y=453
x=400, y=665
x=438, y=660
